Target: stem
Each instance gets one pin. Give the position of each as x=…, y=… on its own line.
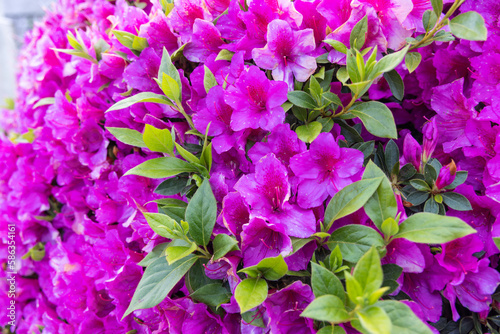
x=346, y=108
x=441, y=24
x=186, y=116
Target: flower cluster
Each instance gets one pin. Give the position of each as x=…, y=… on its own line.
x=232, y=141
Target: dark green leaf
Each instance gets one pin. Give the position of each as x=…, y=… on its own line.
x=407, y=172
x=154, y=254
x=456, y=201
x=302, y=99
x=418, y=197
x=460, y=177
x=469, y=26
x=201, y=214
x=437, y=5
x=420, y=185
x=196, y=278
x=354, y=241
x=171, y=186
x=430, y=228
x=159, y=168
x=431, y=206
x=327, y=308
x=349, y=132
x=212, y=294
x=382, y=204
x=186, y=154
x=395, y=84
x=350, y=199
x=157, y=281
x=141, y=97
x=391, y=271
x=324, y=282
x=332, y=98
x=128, y=136
x=429, y=20
x=430, y=174
x=223, y=244
x=391, y=154
x=377, y=118
x=250, y=293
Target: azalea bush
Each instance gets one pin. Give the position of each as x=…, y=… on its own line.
x=228, y=166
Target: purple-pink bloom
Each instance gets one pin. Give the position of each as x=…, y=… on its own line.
x=256, y=101
x=325, y=169
x=287, y=52
x=412, y=151
x=206, y=40
x=267, y=191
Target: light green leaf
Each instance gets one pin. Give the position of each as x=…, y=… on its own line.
x=209, y=79
x=125, y=38
x=225, y=55
x=44, y=102
x=437, y=5
x=158, y=140
x=377, y=118
x=339, y=46
x=176, y=253
x=162, y=224
x=331, y=330
x=342, y=74
x=127, y=136
x=157, y=251
x=141, y=97
x=307, y=133
x=429, y=20
x=157, y=281
x=201, y=214
x=186, y=154
x=382, y=204
x=429, y=228
x=368, y=272
x=403, y=320
x=469, y=26
x=327, y=308
x=354, y=241
x=223, y=244
x=350, y=199
x=169, y=69
x=170, y=87
x=324, y=282
x=353, y=288
x=412, y=60
x=388, y=63
x=271, y=268
x=250, y=293
x=159, y=168
x=206, y=157
x=375, y=320
x=358, y=34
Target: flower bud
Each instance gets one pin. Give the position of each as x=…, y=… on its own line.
x=430, y=133
x=446, y=175
x=412, y=152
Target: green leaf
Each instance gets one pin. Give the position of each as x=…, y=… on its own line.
x=302, y=99
x=201, y=214
x=80, y=54
x=352, y=67
x=196, y=278
x=354, y=241
x=159, y=168
x=170, y=87
x=389, y=62
x=331, y=330
x=44, y=102
x=157, y=281
x=157, y=251
x=339, y=46
x=162, y=224
x=391, y=274
x=225, y=55
x=353, y=288
x=223, y=244
x=389, y=227
x=437, y=5
x=460, y=177
x=315, y=88
x=456, y=201
x=332, y=98
x=212, y=294
x=169, y=69
x=382, y=204
x=350, y=199
x=368, y=272
x=428, y=228
x=403, y=320
x=172, y=186
x=375, y=320
x=431, y=206
x=250, y=293
x=139, y=43
x=141, y=97
x=127, y=136
x=307, y=133
x=342, y=74
x=176, y=253
x=358, y=34
x=324, y=282
x=418, y=197
x=420, y=185
x=377, y=118
x=496, y=240
x=395, y=84
x=327, y=308
x=469, y=26
x=186, y=154
x=125, y=38
x=412, y=60
x=209, y=79
x=272, y=268
x=158, y=140
x=429, y=20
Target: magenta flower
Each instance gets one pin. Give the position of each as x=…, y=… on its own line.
x=256, y=101
x=446, y=175
x=267, y=191
x=325, y=169
x=206, y=40
x=412, y=151
x=430, y=132
x=287, y=52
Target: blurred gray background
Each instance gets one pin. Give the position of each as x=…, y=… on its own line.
x=16, y=18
